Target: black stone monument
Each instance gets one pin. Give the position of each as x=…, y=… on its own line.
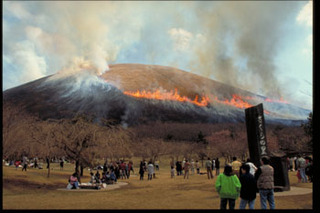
x=257, y=142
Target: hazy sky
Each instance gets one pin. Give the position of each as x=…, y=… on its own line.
x=263, y=47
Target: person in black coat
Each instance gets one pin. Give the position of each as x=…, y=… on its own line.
x=217, y=162
x=248, y=188
x=141, y=170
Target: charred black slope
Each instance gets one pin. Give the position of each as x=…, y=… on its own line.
x=58, y=97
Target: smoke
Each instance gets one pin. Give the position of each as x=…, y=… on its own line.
x=232, y=42
x=248, y=34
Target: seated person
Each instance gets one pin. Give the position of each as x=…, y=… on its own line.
x=103, y=178
x=113, y=176
x=93, y=178
x=73, y=180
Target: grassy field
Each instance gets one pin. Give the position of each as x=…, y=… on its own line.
x=33, y=190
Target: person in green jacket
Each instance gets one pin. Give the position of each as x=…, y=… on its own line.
x=228, y=186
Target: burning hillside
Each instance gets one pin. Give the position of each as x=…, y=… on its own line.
x=135, y=93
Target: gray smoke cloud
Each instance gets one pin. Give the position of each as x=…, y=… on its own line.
x=244, y=32
x=231, y=42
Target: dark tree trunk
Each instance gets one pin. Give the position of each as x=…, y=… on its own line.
x=81, y=170
x=48, y=166
x=77, y=166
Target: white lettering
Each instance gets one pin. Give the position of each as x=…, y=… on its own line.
x=263, y=150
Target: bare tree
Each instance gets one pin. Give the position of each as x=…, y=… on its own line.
x=15, y=135
x=43, y=136
x=77, y=137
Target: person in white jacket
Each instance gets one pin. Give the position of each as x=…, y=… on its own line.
x=150, y=170
x=253, y=168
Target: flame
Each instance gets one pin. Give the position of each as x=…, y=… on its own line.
x=173, y=96
x=236, y=100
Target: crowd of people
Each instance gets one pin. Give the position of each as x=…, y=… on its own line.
x=303, y=166
x=187, y=167
x=244, y=180
x=239, y=179
x=24, y=163
x=111, y=172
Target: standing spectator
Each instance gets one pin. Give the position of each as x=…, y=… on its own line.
x=288, y=163
x=179, y=168
x=25, y=163
x=141, y=170
x=236, y=166
x=61, y=164
x=295, y=163
x=182, y=165
x=145, y=165
x=172, y=163
x=309, y=170
x=105, y=168
x=186, y=169
x=116, y=167
x=130, y=168
x=123, y=170
x=253, y=168
x=192, y=166
x=265, y=183
x=127, y=171
x=156, y=163
x=301, y=164
x=248, y=188
x=198, y=166
x=291, y=164
x=172, y=172
x=35, y=162
x=154, y=171
x=209, y=168
x=228, y=186
x=150, y=170
x=217, y=162
x=213, y=165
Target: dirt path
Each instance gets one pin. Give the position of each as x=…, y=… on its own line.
x=293, y=191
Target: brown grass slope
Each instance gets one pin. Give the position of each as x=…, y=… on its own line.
x=77, y=93
x=134, y=77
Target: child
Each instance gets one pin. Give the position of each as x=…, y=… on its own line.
x=172, y=172
x=299, y=176
x=17, y=163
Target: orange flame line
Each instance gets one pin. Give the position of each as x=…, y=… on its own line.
x=235, y=101
x=173, y=96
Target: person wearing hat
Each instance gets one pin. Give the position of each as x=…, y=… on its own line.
x=228, y=186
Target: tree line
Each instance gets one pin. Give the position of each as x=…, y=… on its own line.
x=85, y=139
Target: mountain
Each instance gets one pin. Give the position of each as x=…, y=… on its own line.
x=137, y=93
